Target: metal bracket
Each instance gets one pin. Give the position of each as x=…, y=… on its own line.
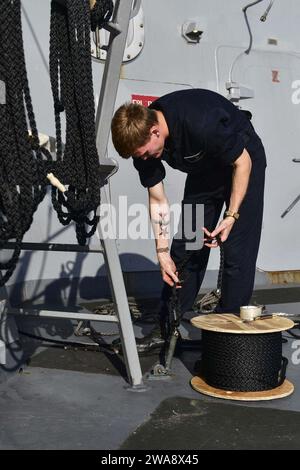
x=238, y=92
x=290, y=207
x=136, y=8
x=191, y=31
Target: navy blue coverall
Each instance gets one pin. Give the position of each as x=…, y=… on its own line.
x=207, y=133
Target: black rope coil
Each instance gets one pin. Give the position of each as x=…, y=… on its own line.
x=24, y=164
x=72, y=87
x=243, y=362
x=101, y=13
x=22, y=184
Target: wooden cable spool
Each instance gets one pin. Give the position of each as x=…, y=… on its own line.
x=230, y=323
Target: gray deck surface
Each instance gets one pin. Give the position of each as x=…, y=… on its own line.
x=77, y=399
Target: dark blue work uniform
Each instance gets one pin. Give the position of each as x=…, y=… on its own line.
x=207, y=134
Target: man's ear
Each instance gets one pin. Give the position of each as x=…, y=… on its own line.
x=154, y=130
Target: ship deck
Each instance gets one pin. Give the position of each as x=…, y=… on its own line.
x=60, y=395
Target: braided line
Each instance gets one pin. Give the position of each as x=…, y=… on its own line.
x=71, y=82
x=21, y=190
x=101, y=13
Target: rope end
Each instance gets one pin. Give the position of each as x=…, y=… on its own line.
x=55, y=182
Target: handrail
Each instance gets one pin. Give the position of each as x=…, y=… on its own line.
x=136, y=8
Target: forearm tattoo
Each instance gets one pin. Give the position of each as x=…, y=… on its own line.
x=163, y=225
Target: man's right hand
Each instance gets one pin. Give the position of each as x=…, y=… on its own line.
x=168, y=269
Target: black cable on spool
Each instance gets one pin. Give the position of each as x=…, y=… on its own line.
x=242, y=362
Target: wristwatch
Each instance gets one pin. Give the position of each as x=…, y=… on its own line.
x=162, y=250
x=233, y=214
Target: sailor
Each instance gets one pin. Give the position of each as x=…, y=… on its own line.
x=202, y=134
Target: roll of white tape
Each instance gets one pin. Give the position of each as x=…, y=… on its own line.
x=250, y=312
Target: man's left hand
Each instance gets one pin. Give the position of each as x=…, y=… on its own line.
x=223, y=230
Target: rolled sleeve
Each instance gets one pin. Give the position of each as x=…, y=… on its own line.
x=223, y=140
x=151, y=172
x=233, y=149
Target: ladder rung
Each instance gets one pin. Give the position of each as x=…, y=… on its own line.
x=32, y=246
x=59, y=314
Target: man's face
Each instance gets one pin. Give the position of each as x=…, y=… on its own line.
x=153, y=148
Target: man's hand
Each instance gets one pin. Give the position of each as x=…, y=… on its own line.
x=168, y=269
x=223, y=230
x=240, y=179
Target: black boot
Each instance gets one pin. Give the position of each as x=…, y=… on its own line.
x=154, y=340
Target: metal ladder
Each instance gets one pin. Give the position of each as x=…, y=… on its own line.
x=124, y=10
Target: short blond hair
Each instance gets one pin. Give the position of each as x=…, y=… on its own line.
x=130, y=128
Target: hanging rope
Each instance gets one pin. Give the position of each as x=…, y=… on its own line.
x=22, y=184
x=210, y=300
x=174, y=305
x=101, y=13
x=24, y=164
x=72, y=87
x=241, y=362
